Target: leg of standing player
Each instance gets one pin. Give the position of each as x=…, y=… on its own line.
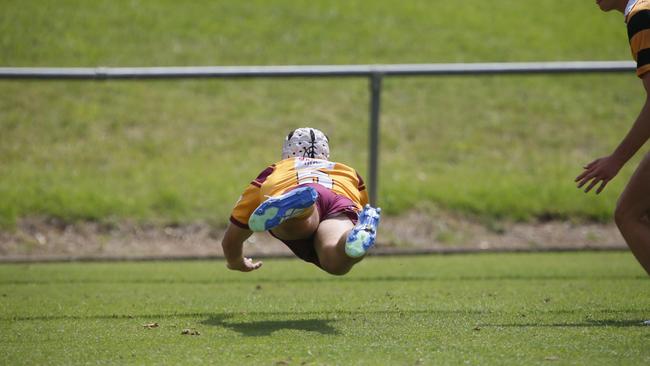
x=632, y=213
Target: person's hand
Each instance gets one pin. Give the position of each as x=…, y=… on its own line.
x=600, y=170
x=244, y=265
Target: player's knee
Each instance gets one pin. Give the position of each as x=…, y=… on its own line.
x=625, y=215
x=621, y=215
x=335, y=268
x=338, y=271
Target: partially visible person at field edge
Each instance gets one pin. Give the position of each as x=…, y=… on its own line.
x=317, y=207
x=633, y=206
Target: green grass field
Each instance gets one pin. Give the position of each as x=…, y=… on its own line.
x=180, y=151
x=489, y=309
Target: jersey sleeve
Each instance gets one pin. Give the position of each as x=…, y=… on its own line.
x=363, y=192
x=363, y=197
x=245, y=206
x=249, y=200
x=638, y=33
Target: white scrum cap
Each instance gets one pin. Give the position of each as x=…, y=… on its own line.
x=306, y=142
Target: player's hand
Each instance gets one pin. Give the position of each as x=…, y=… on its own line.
x=599, y=171
x=244, y=265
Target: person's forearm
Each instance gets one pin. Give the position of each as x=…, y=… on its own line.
x=636, y=137
x=232, y=251
x=232, y=243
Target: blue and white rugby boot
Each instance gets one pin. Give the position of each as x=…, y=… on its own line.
x=363, y=235
x=276, y=210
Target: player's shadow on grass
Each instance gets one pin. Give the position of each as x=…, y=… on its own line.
x=267, y=327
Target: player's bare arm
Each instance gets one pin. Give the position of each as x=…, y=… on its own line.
x=232, y=244
x=604, y=169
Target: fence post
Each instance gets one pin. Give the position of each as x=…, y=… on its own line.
x=375, y=99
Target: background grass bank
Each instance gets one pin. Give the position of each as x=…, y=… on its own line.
x=178, y=151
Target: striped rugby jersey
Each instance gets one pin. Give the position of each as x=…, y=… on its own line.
x=638, y=33
x=291, y=172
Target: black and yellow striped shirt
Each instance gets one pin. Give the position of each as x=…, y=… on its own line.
x=638, y=33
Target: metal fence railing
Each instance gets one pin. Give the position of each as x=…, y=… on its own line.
x=374, y=73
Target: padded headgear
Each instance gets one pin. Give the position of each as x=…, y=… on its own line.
x=306, y=142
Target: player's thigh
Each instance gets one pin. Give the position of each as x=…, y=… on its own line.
x=635, y=198
x=331, y=230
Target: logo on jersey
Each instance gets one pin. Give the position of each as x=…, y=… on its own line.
x=310, y=171
x=301, y=163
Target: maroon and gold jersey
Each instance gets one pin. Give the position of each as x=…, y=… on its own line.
x=638, y=33
x=289, y=173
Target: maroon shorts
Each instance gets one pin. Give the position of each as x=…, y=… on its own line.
x=328, y=204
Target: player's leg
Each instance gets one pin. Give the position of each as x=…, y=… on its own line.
x=632, y=213
x=340, y=244
x=330, y=245
x=300, y=227
x=297, y=205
